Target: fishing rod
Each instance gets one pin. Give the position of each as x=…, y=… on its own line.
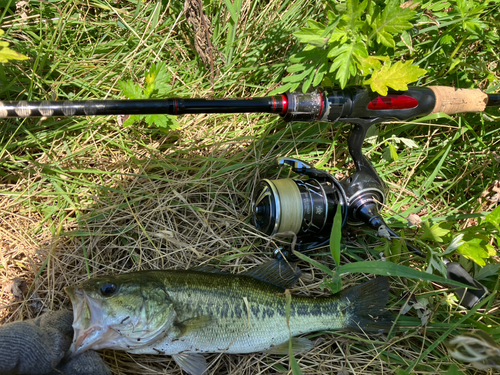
x=306, y=208
x=321, y=105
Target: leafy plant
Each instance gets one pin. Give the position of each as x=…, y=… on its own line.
x=469, y=23
x=391, y=152
x=472, y=242
x=156, y=79
x=395, y=76
x=355, y=40
x=7, y=54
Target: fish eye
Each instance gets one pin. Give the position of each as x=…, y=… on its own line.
x=108, y=289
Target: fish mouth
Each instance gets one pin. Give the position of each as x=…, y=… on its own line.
x=90, y=330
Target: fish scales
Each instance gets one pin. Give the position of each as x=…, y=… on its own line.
x=246, y=315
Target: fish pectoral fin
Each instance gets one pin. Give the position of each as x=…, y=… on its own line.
x=192, y=363
x=278, y=272
x=192, y=324
x=299, y=345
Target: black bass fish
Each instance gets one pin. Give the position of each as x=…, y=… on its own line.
x=187, y=313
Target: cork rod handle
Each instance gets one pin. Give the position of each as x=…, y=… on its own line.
x=451, y=100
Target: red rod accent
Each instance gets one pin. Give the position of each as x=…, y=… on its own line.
x=285, y=104
x=392, y=101
x=321, y=108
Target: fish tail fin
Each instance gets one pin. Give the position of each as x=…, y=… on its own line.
x=366, y=309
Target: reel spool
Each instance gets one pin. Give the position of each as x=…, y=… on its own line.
x=305, y=208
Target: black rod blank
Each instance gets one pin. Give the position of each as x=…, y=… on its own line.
x=172, y=106
x=493, y=100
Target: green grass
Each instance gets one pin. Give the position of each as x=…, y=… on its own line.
x=86, y=196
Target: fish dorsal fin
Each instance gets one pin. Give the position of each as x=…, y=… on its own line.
x=278, y=272
x=192, y=363
x=208, y=268
x=299, y=345
x=192, y=324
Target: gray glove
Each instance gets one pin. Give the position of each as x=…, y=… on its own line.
x=37, y=346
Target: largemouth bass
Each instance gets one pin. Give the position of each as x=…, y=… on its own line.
x=187, y=313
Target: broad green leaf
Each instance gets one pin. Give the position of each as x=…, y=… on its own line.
x=454, y=244
x=434, y=233
x=477, y=249
x=304, y=56
x=309, y=66
x=393, y=252
x=464, y=6
x=327, y=82
x=160, y=76
x=158, y=120
x=344, y=62
x=384, y=247
x=392, y=20
x=474, y=25
x=7, y=54
x=370, y=63
x=298, y=77
x=339, y=35
x=311, y=36
x=436, y=6
x=318, y=78
x=393, y=152
x=410, y=143
x=333, y=21
x=162, y=121
x=308, y=81
x=281, y=89
x=447, y=39
x=454, y=63
x=148, y=91
x=396, y=76
x=488, y=271
x=353, y=13
x=132, y=119
x=390, y=153
x=494, y=217
x=336, y=235
x=315, y=25
x=131, y=90
x=295, y=68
